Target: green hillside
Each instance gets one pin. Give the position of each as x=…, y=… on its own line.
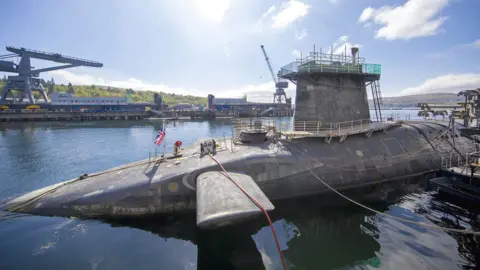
x=171, y=99
x=413, y=100
x=101, y=91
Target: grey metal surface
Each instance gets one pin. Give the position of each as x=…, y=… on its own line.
x=279, y=169
x=220, y=202
x=253, y=136
x=331, y=99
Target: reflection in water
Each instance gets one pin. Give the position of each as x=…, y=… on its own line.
x=315, y=233
x=312, y=238
x=446, y=210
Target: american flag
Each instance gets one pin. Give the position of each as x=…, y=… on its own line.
x=160, y=135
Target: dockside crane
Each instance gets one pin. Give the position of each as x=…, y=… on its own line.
x=27, y=79
x=279, y=84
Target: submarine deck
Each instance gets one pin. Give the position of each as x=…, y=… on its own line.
x=279, y=167
x=314, y=129
x=170, y=174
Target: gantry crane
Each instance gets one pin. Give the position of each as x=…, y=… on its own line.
x=27, y=79
x=279, y=84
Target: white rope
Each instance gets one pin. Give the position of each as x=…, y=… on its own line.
x=376, y=167
x=423, y=224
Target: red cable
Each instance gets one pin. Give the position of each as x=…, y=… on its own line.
x=259, y=206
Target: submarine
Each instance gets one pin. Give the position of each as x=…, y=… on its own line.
x=333, y=142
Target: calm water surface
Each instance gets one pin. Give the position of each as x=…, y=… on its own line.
x=313, y=234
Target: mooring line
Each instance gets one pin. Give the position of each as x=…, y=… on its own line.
x=376, y=167
x=468, y=232
x=419, y=223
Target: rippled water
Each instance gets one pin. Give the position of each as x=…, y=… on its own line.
x=321, y=232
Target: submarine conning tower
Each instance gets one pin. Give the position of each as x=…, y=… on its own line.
x=332, y=88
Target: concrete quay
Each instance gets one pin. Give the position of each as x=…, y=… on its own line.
x=70, y=116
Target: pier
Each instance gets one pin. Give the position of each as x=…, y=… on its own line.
x=70, y=116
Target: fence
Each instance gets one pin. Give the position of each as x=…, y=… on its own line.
x=334, y=67
x=239, y=124
x=461, y=160
x=339, y=128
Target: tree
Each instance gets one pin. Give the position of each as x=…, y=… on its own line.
x=4, y=78
x=51, y=86
x=70, y=89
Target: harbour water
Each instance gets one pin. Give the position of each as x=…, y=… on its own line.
x=322, y=232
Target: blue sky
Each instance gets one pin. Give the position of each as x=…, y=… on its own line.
x=201, y=47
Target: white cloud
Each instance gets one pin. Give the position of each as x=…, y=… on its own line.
x=345, y=47
x=477, y=44
x=268, y=12
x=366, y=14
x=280, y=18
x=289, y=12
x=212, y=10
x=415, y=18
x=296, y=53
x=341, y=45
x=446, y=84
x=450, y=52
x=256, y=92
x=260, y=24
x=343, y=38
x=301, y=34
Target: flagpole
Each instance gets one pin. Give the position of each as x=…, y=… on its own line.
x=163, y=149
x=164, y=141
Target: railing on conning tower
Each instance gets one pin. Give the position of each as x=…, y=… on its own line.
x=332, y=63
x=255, y=123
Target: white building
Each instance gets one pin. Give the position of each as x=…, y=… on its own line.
x=58, y=98
x=229, y=101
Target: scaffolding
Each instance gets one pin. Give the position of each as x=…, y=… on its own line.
x=330, y=63
x=317, y=63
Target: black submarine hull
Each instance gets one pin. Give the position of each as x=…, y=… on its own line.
x=281, y=169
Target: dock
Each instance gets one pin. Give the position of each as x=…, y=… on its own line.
x=70, y=116
x=461, y=180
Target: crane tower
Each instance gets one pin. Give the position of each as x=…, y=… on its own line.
x=27, y=79
x=280, y=85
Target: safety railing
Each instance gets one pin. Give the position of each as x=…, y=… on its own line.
x=457, y=160
x=334, y=129
x=258, y=123
x=454, y=160
x=333, y=67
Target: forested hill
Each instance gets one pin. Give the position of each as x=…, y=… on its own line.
x=413, y=100
x=171, y=99
x=105, y=91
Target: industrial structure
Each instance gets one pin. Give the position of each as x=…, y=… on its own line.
x=243, y=108
x=333, y=88
x=333, y=146
x=280, y=85
x=58, y=98
x=27, y=79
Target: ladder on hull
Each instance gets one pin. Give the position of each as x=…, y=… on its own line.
x=377, y=99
